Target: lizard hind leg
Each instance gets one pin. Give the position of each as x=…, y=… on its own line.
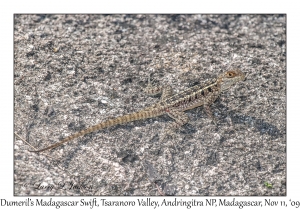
x=152, y=90
x=180, y=119
x=166, y=92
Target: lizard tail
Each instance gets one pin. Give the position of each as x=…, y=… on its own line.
x=108, y=123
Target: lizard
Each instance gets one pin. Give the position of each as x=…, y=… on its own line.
x=171, y=104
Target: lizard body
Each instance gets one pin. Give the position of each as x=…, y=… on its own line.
x=173, y=105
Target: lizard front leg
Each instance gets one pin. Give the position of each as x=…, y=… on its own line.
x=207, y=108
x=209, y=113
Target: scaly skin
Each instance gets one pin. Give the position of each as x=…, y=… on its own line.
x=173, y=105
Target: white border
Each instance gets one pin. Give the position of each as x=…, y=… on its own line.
x=154, y=6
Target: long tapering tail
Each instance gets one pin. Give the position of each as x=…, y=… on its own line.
x=108, y=123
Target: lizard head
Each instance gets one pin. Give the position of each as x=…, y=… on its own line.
x=230, y=78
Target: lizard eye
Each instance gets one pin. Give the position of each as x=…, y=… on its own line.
x=230, y=74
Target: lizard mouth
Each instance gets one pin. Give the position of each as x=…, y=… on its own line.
x=243, y=76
